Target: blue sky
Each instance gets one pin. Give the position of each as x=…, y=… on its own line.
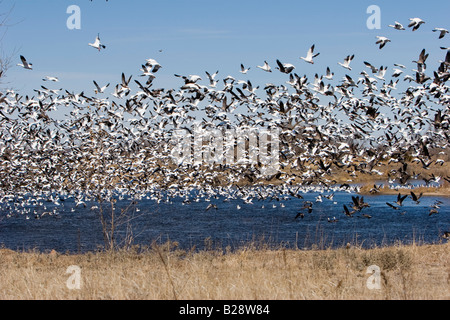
x=198, y=35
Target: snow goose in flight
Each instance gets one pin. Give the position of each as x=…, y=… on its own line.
x=415, y=23
x=48, y=91
x=212, y=81
x=265, y=67
x=189, y=79
x=397, y=73
x=397, y=26
x=147, y=72
x=381, y=73
x=98, y=89
x=25, y=64
x=393, y=85
x=324, y=90
x=442, y=32
x=310, y=55
x=285, y=67
x=400, y=65
x=382, y=41
x=329, y=74
x=371, y=67
x=347, y=61
x=118, y=92
x=97, y=45
x=125, y=83
x=153, y=64
x=243, y=69
x=49, y=78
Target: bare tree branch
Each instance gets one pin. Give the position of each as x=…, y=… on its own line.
x=5, y=58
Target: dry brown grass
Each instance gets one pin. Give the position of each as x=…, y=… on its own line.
x=163, y=273
x=443, y=190
x=343, y=176
x=369, y=181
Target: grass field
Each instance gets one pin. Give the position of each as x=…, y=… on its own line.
x=166, y=273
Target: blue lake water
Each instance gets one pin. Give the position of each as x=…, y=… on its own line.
x=227, y=226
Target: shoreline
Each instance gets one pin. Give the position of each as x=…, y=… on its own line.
x=440, y=191
x=254, y=245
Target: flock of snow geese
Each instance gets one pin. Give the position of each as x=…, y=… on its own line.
x=112, y=145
